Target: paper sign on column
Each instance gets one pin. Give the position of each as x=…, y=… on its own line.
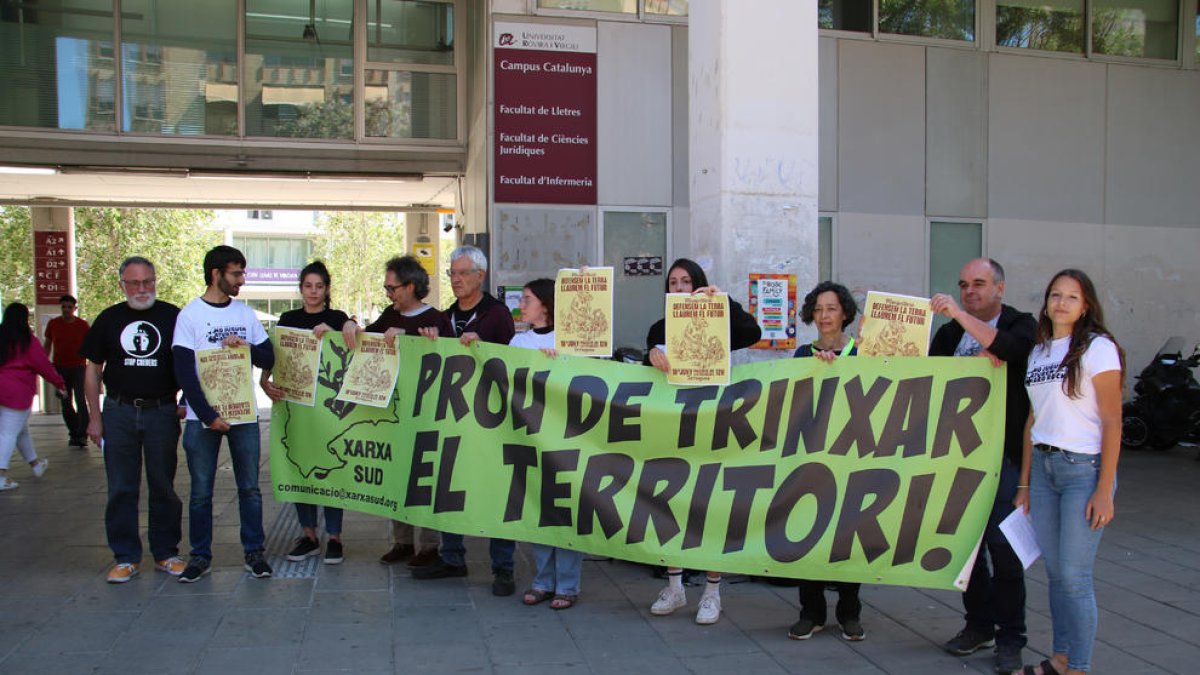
x=297, y=359
x=697, y=328
x=895, y=325
x=227, y=383
x=1018, y=529
x=371, y=376
x=583, y=308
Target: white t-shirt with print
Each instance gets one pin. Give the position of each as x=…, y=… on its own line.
x=531, y=339
x=201, y=326
x=1069, y=423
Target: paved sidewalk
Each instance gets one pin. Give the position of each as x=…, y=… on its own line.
x=57, y=615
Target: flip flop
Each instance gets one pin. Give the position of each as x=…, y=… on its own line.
x=563, y=601
x=535, y=596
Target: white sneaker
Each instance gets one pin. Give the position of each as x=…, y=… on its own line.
x=39, y=467
x=710, y=609
x=669, y=600
x=7, y=483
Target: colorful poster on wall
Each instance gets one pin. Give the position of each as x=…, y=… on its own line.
x=227, y=383
x=583, y=312
x=894, y=325
x=773, y=305
x=297, y=356
x=698, y=338
x=511, y=297
x=372, y=372
x=545, y=113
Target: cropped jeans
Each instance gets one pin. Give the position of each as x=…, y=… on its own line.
x=558, y=569
x=1061, y=483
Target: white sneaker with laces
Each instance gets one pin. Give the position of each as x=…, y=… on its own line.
x=39, y=467
x=669, y=600
x=7, y=483
x=710, y=609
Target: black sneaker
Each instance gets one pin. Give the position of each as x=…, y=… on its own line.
x=304, y=548
x=852, y=630
x=1008, y=659
x=257, y=565
x=968, y=641
x=803, y=629
x=333, y=552
x=397, y=554
x=196, y=568
x=502, y=583
x=439, y=570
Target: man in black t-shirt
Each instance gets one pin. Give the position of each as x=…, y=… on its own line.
x=129, y=349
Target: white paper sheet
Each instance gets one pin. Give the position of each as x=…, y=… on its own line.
x=1018, y=529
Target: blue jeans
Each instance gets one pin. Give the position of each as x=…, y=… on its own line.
x=558, y=569
x=307, y=514
x=131, y=434
x=995, y=597
x=201, y=446
x=454, y=551
x=1060, y=485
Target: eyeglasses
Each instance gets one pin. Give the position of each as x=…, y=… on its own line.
x=457, y=274
x=139, y=283
x=392, y=289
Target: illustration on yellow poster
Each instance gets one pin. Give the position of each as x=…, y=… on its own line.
x=297, y=358
x=227, y=383
x=583, y=322
x=698, y=338
x=895, y=325
x=371, y=375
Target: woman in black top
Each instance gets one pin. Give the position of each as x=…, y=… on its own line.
x=685, y=276
x=316, y=316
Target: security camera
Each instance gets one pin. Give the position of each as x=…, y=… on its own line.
x=448, y=226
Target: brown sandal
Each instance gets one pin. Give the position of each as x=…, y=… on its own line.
x=563, y=601
x=535, y=596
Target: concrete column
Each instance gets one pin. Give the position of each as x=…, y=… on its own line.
x=752, y=88
x=421, y=229
x=52, y=219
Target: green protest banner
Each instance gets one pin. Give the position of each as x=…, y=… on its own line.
x=870, y=469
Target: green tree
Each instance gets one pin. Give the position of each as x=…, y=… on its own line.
x=175, y=240
x=356, y=245
x=16, y=255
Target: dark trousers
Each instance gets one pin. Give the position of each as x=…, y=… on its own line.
x=132, y=435
x=74, y=406
x=995, y=597
x=812, y=601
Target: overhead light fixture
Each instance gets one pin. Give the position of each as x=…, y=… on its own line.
x=30, y=170
x=318, y=176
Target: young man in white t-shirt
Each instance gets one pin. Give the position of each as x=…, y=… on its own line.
x=214, y=321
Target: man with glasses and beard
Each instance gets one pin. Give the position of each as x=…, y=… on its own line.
x=129, y=350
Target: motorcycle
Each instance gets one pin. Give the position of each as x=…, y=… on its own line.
x=1166, y=407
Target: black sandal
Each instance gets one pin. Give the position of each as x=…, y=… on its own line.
x=1046, y=666
x=534, y=596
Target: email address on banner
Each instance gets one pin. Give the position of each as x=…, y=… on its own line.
x=339, y=493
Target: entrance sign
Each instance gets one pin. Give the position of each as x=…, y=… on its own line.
x=51, y=265
x=545, y=114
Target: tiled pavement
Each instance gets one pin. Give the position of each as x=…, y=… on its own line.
x=58, y=616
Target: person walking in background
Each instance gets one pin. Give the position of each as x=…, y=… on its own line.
x=64, y=337
x=129, y=350
x=1072, y=442
x=314, y=315
x=22, y=359
x=686, y=276
x=831, y=307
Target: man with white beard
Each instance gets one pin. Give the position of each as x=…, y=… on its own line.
x=129, y=349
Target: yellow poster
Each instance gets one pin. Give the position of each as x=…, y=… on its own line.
x=227, y=383
x=698, y=338
x=583, y=302
x=371, y=375
x=426, y=254
x=297, y=358
x=895, y=325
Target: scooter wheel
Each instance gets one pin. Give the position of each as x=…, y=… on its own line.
x=1134, y=432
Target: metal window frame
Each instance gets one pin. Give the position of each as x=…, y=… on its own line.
x=610, y=208
x=930, y=220
x=641, y=16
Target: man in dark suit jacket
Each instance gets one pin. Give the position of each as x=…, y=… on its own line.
x=983, y=326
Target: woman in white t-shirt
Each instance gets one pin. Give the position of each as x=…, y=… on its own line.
x=1069, y=466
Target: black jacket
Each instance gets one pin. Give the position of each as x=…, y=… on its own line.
x=743, y=331
x=1016, y=336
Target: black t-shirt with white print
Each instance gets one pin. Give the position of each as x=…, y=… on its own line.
x=134, y=346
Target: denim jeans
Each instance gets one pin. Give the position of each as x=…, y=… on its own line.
x=307, y=514
x=131, y=434
x=995, y=597
x=558, y=569
x=201, y=446
x=75, y=415
x=812, y=601
x=1060, y=485
x=454, y=551
x=14, y=434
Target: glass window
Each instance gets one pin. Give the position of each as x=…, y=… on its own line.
x=410, y=31
x=667, y=7
x=1146, y=28
x=179, y=67
x=845, y=15
x=1052, y=25
x=824, y=248
x=56, y=65
x=621, y=6
x=297, y=59
x=947, y=19
x=401, y=104
x=635, y=244
x=951, y=245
